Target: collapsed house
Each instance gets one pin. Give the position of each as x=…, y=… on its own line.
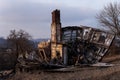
x=77, y=44
x=71, y=45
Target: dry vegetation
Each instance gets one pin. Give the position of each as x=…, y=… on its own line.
x=111, y=73
x=85, y=73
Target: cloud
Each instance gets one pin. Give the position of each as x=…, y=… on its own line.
x=35, y=18
x=78, y=16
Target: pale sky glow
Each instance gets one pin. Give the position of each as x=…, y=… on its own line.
x=34, y=16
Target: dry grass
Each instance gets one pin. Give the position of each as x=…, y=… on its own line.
x=88, y=73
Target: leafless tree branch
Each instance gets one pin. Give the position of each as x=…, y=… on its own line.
x=109, y=17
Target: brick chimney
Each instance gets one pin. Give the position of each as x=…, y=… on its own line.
x=56, y=47
x=56, y=27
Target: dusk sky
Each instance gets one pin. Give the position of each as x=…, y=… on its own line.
x=34, y=16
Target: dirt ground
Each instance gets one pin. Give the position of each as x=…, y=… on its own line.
x=84, y=73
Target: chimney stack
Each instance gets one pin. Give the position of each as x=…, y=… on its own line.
x=56, y=47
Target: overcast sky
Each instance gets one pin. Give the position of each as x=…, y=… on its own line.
x=34, y=16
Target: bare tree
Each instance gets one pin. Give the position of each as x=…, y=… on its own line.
x=109, y=17
x=20, y=41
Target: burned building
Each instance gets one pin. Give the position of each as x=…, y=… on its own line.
x=77, y=44
x=71, y=45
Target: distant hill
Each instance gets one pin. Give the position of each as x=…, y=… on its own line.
x=2, y=40
x=3, y=43
x=40, y=39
